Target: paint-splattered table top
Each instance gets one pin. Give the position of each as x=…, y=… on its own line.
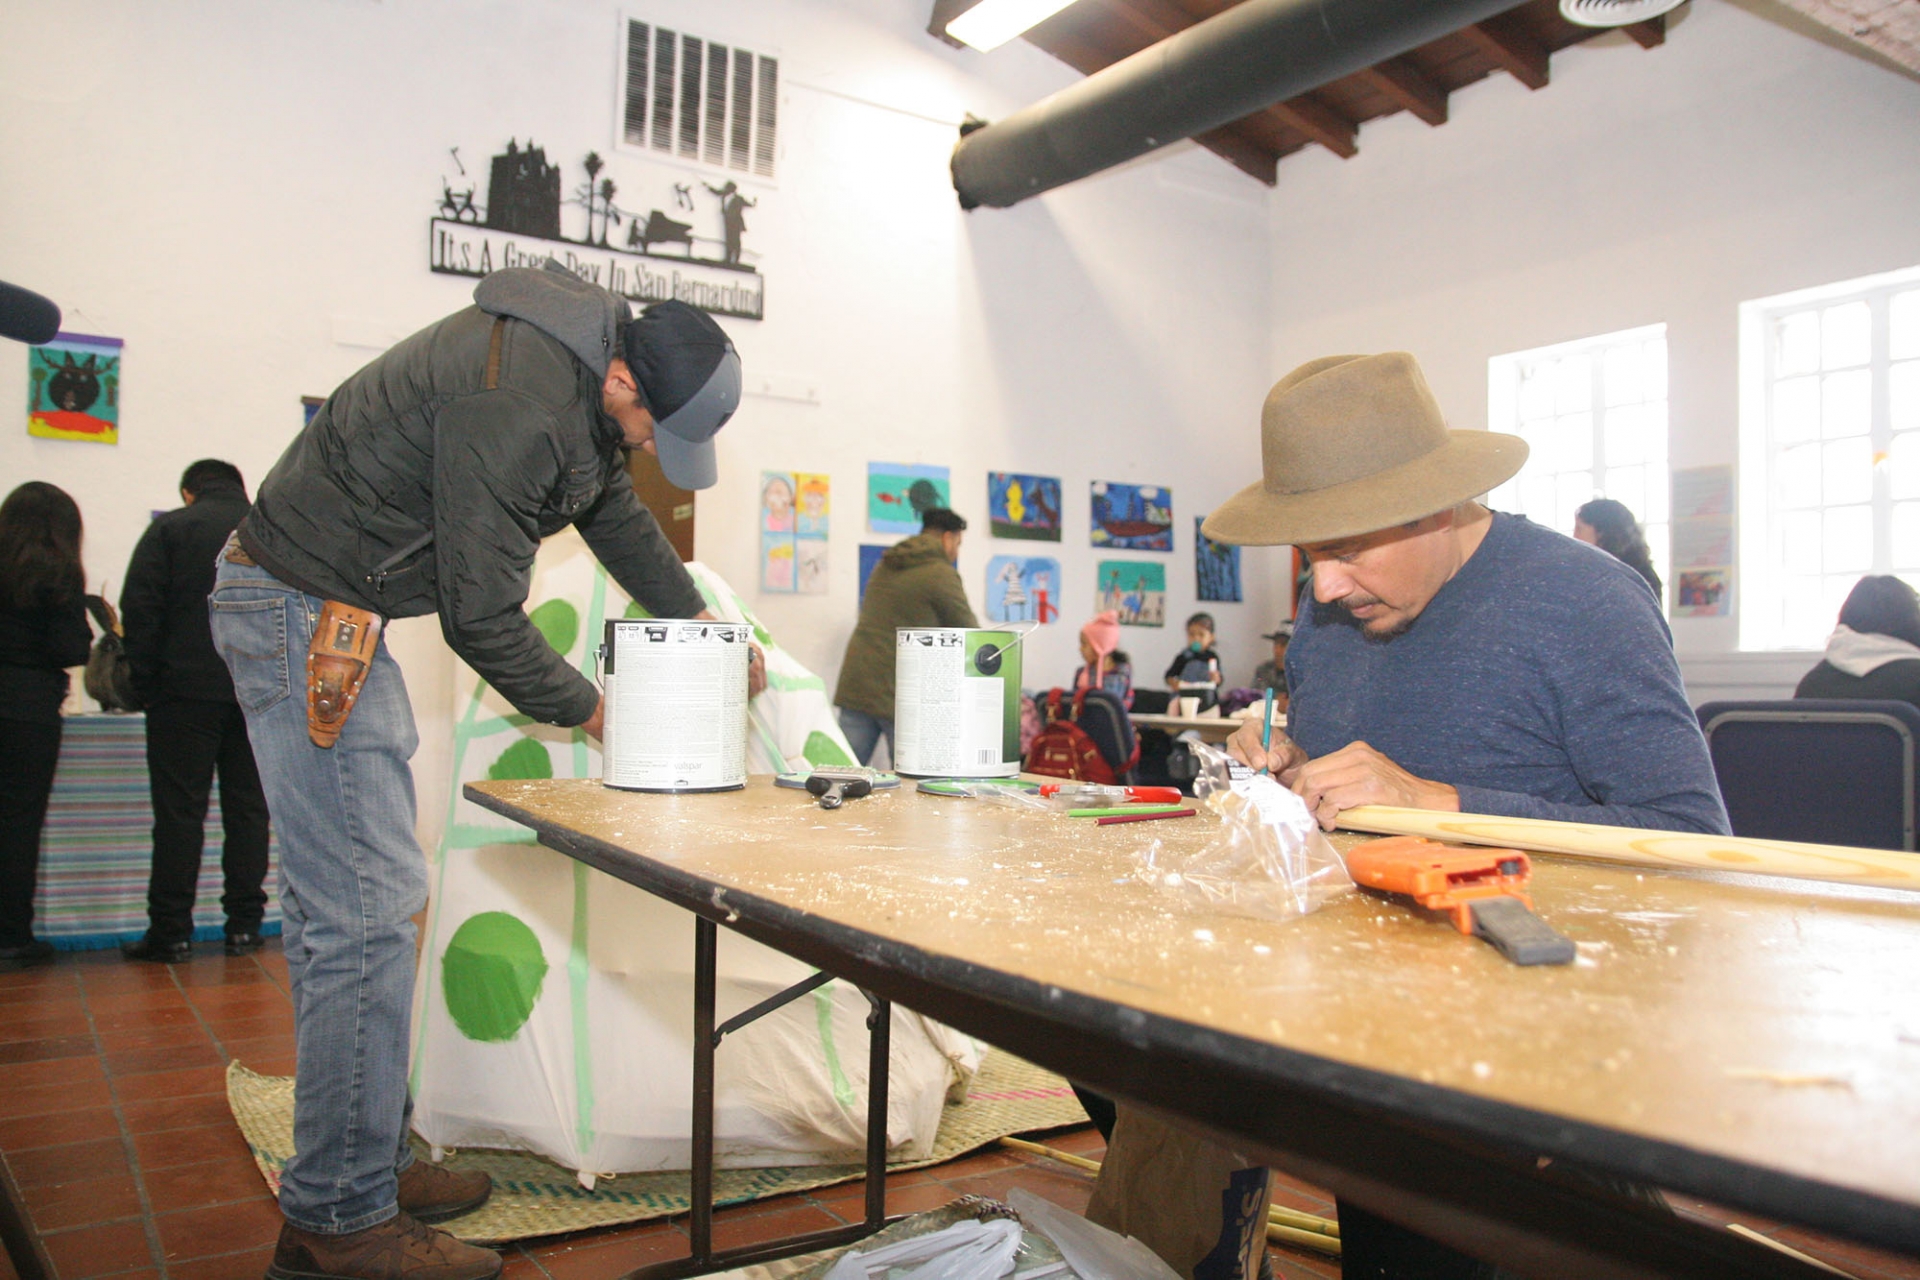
x=1753, y=1041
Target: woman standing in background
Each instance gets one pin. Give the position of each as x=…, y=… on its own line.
x=43, y=631
x=1610, y=526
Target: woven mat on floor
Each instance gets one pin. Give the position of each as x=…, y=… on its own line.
x=533, y=1196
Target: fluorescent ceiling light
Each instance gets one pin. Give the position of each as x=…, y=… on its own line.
x=992, y=23
x=1614, y=13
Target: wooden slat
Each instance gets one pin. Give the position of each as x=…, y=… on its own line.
x=1319, y=122
x=1512, y=49
x=1407, y=85
x=1650, y=33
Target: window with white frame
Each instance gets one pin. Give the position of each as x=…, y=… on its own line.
x=1829, y=452
x=1594, y=416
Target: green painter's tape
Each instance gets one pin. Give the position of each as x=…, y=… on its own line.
x=490, y=976
x=823, y=1015
x=577, y=988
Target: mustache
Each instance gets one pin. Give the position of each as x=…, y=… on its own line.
x=1356, y=601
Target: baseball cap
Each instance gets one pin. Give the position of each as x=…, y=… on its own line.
x=1282, y=632
x=689, y=379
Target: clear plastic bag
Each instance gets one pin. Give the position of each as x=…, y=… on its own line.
x=1269, y=858
x=964, y=1251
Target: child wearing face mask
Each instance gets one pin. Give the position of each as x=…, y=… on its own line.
x=1195, y=670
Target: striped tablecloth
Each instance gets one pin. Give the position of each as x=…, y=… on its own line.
x=98, y=844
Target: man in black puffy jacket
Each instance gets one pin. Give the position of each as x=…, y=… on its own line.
x=194, y=726
x=424, y=485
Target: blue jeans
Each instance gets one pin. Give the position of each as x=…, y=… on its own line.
x=864, y=733
x=351, y=878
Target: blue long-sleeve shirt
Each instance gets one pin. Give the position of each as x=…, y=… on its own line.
x=1540, y=682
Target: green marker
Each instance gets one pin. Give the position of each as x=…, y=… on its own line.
x=1125, y=808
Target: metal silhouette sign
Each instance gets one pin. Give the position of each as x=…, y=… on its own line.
x=670, y=240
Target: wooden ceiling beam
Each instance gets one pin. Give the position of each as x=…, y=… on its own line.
x=1319, y=122
x=1649, y=34
x=1244, y=154
x=1512, y=50
x=1409, y=87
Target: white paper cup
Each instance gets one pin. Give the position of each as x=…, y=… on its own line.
x=1189, y=707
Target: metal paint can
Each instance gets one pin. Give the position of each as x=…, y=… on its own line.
x=956, y=702
x=676, y=694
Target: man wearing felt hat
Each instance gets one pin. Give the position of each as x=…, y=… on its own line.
x=1453, y=657
x=424, y=485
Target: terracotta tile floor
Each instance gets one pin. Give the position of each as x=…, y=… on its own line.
x=113, y=1119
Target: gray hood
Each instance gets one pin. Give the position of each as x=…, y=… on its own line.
x=1859, y=652
x=584, y=317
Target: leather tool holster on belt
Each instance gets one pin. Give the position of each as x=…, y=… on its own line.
x=338, y=661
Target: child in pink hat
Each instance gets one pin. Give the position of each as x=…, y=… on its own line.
x=1106, y=666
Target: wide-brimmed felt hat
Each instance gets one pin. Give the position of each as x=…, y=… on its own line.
x=1354, y=444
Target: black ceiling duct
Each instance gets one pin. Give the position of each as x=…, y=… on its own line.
x=1233, y=64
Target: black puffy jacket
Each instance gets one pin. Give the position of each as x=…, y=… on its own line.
x=163, y=607
x=416, y=489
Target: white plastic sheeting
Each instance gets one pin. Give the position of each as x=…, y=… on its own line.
x=553, y=1010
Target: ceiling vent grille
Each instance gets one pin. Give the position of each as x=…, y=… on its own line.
x=1614, y=13
x=698, y=100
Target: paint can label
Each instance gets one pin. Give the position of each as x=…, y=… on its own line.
x=956, y=703
x=676, y=695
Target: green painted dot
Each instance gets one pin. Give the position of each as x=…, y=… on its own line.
x=559, y=622
x=636, y=610
x=822, y=750
x=524, y=759
x=491, y=975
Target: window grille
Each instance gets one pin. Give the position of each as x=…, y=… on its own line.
x=1594, y=416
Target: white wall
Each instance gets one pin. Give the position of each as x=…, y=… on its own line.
x=1738, y=160
x=240, y=189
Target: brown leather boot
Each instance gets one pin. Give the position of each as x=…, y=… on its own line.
x=432, y=1193
x=398, y=1249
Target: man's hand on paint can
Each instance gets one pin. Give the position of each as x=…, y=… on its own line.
x=756, y=671
x=594, y=726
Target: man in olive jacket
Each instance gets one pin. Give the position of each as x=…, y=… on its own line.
x=914, y=585
x=425, y=484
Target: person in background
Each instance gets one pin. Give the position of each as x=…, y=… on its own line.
x=1197, y=664
x=1875, y=651
x=194, y=725
x=1273, y=674
x=1610, y=526
x=914, y=585
x=1105, y=666
x=43, y=631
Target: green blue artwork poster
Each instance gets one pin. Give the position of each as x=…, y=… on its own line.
x=1134, y=589
x=1216, y=567
x=1132, y=517
x=74, y=389
x=1020, y=506
x=899, y=493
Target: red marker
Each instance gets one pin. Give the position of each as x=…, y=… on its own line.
x=1150, y=795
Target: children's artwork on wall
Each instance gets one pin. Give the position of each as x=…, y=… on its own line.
x=1023, y=506
x=1216, y=567
x=1023, y=589
x=793, y=532
x=869, y=560
x=310, y=405
x=74, y=389
x=899, y=493
x=1132, y=517
x=1134, y=589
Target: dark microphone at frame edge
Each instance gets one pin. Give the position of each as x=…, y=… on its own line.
x=26, y=316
